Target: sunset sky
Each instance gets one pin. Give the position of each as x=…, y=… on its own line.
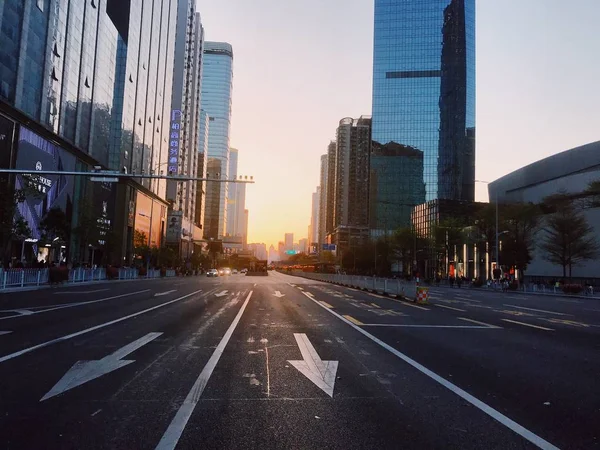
x=300, y=67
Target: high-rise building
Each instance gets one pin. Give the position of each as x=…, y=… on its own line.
x=236, y=201
x=186, y=126
x=259, y=251
x=281, y=251
x=202, y=170
x=94, y=80
x=273, y=255
x=323, y=200
x=289, y=241
x=245, y=228
x=424, y=90
x=313, y=230
x=303, y=245
x=351, y=186
x=330, y=200
x=217, y=86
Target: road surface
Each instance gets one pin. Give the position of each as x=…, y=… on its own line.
x=284, y=362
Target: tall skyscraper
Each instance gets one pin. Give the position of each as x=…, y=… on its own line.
x=186, y=125
x=202, y=168
x=313, y=231
x=330, y=200
x=351, y=186
x=289, y=241
x=217, y=85
x=236, y=201
x=273, y=255
x=323, y=200
x=95, y=78
x=424, y=90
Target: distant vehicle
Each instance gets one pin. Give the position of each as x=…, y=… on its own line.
x=234, y=271
x=244, y=271
x=227, y=271
x=212, y=273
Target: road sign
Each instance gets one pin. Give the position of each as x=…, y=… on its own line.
x=329, y=247
x=104, y=179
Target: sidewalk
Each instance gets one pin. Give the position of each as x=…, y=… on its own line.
x=522, y=292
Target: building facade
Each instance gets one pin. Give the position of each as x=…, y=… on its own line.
x=202, y=169
x=289, y=241
x=323, y=200
x=313, y=230
x=351, y=183
x=186, y=125
x=569, y=172
x=424, y=90
x=396, y=185
x=217, y=87
x=87, y=84
x=236, y=200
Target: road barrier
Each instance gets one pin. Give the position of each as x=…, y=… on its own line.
x=422, y=295
x=389, y=286
x=19, y=278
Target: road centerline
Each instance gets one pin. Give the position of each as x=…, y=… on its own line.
x=173, y=433
x=527, y=325
x=538, y=310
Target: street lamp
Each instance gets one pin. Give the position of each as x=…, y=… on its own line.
x=497, y=234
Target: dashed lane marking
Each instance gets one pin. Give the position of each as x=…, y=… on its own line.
x=450, y=307
x=353, y=320
x=325, y=304
x=5, y=332
x=569, y=322
x=538, y=310
x=478, y=322
x=399, y=301
x=528, y=325
x=375, y=305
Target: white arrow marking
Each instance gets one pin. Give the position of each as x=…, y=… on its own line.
x=221, y=294
x=84, y=371
x=320, y=372
x=5, y=332
x=278, y=294
x=160, y=294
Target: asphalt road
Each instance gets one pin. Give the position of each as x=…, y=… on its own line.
x=284, y=362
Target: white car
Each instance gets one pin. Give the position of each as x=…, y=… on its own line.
x=234, y=272
x=212, y=273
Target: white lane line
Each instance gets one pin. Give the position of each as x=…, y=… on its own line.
x=5, y=332
x=450, y=307
x=398, y=325
x=478, y=322
x=89, y=330
x=27, y=312
x=171, y=437
x=527, y=325
x=539, y=310
x=487, y=409
x=517, y=297
x=80, y=292
x=399, y=301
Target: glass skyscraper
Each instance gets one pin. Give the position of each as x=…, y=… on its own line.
x=217, y=86
x=424, y=90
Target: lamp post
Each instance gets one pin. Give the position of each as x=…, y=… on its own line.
x=497, y=232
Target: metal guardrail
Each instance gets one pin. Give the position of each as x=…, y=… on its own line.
x=16, y=278
x=383, y=285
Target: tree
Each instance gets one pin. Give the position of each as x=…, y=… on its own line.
x=140, y=244
x=568, y=239
x=56, y=228
x=485, y=224
x=520, y=220
x=403, y=247
x=88, y=230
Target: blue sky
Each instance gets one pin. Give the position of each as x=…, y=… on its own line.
x=299, y=67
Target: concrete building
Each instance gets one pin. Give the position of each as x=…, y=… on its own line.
x=323, y=186
x=187, y=128
x=313, y=230
x=289, y=241
x=217, y=87
x=351, y=183
x=259, y=251
x=85, y=84
x=202, y=169
x=570, y=172
x=303, y=245
x=273, y=255
x=236, y=200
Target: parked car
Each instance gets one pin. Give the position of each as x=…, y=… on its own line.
x=234, y=271
x=212, y=273
x=244, y=271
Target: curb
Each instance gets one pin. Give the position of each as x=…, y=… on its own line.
x=584, y=297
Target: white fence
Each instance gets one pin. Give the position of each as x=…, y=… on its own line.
x=15, y=278
x=383, y=285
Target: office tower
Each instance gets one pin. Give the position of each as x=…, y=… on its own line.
x=397, y=184
x=313, y=230
x=289, y=241
x=236, y=201
x=186, y=125
x=424, y=90
x=330, y=200
x=260, y=251
x=351, y=187
x=273, y=256
x=217, y=84
x=95, y=79
x=281, y=251
x=323, y=201
x=303, y=245
x=202, y=169
x=245, y=229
